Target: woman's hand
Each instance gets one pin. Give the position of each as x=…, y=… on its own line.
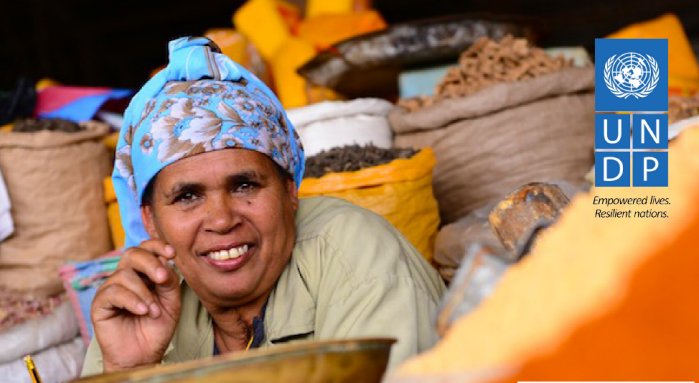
x=136, y=310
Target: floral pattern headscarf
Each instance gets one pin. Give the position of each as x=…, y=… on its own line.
x=201, y=102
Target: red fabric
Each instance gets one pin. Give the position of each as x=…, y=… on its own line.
x=55, y=97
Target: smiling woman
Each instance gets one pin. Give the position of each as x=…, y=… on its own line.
x=230, y=218
x=207, y=172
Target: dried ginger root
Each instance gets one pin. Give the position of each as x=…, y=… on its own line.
x=487, y=63
x=681, y=107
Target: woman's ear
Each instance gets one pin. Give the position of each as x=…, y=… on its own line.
x=148, y=218
x=293, y=193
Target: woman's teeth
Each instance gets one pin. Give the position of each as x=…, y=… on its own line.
x=228, y=254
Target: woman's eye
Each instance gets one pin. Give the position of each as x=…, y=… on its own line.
x=186, y=197
x=245, y=187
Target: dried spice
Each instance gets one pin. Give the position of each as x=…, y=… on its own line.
x=352, y=157
x=487, y=63
x=30, y=125
x=680, y=107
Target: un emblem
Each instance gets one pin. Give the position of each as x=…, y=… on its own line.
x=631, y=74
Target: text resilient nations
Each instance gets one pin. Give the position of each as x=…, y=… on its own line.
x=628, y=213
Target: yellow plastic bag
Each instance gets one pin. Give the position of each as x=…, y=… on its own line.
x=400, y=191
x=291, y=87
x=115, y=228
x=260, y=21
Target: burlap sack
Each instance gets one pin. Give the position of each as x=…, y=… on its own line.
x=54, y=180
x=454, y=239
x=504, y=136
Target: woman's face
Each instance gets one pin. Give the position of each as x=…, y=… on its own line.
x=229, y=214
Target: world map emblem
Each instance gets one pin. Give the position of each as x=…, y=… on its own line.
x=631, y=74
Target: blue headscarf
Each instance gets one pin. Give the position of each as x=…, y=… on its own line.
x=201, y=102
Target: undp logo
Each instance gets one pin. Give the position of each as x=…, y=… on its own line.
x=631, y=126
x=631, y=74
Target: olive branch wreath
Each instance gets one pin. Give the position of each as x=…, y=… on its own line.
x=620, y=93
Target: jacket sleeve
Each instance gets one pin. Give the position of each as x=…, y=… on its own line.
x=92, y=365
x=376, y=284
x=392, y=308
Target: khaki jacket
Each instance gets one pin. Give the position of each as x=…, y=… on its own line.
x=351, y=274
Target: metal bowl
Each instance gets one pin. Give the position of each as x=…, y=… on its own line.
x=353, y=360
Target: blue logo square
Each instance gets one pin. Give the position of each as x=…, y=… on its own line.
x=650, y=169
x=650, y=131
x=612, y=169
x=612, y=131
x=631, y=75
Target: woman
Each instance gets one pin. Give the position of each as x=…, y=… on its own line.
x=207, y=171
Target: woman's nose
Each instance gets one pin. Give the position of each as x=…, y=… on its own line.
x=221, y=214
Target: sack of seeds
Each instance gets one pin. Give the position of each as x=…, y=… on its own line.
x=395, y=183
x=53, y=170
x=507, y=116
x=330, y=124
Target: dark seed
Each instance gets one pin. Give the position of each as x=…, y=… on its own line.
x=351, y=158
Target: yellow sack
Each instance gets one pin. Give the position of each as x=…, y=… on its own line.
x=400, y=191
x=684, y=69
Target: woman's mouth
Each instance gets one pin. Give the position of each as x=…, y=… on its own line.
x=229, y=259
x=231, y=253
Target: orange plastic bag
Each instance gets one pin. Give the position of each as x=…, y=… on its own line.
x=325, y=30
x=400, y=191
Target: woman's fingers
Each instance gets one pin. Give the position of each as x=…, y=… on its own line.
x=158, y=247
x=112, y=299
x=129, y=279
x=166, y=254
x=145, y=260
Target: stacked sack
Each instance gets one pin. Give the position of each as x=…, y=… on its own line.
x=330, y=124
x=47, y=329
x=53, y=170
x=507, y=115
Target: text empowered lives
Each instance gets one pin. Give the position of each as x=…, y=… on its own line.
x=637, y=207
x=653, y=200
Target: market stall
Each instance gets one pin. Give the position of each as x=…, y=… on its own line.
x=465, y=133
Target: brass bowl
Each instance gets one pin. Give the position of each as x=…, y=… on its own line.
x=352, y=360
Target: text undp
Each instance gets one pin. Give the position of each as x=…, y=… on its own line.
x=631, y=150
